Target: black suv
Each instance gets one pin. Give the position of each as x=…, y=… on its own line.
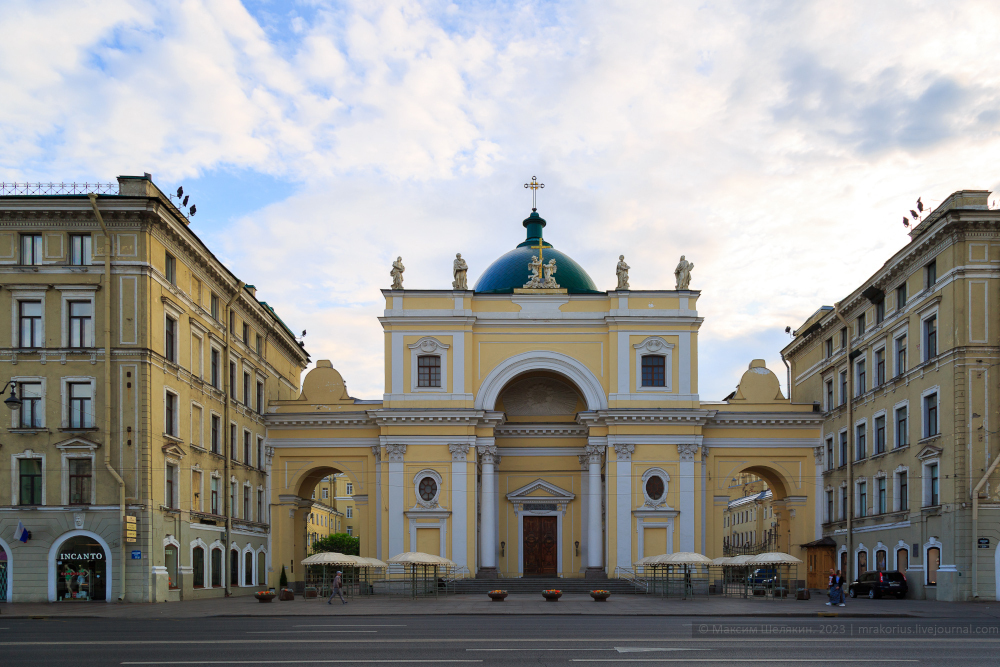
x=879, y=584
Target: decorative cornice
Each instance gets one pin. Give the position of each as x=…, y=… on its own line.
x=319, y=419
x=683, y=416
x=541, y=430
x=768, y=419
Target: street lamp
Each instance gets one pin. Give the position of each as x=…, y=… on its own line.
x=12, y=401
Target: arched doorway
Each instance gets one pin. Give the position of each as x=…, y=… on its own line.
x=80, y=568
x=6, y=575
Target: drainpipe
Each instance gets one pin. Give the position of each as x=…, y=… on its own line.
x=788, y=374
x=107, y=389
x=975, y=527
x=851, y=444
x=229, y=450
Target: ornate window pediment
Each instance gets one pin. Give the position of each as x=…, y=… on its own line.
x=655, y=346
x=929, y=452
x=77, y=443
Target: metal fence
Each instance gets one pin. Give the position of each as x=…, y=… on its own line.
x=768, y=543
x=7, y=189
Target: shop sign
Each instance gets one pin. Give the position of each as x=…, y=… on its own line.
x=94, y=555
x=984, y=543
x=136, y=555
x=131, y=529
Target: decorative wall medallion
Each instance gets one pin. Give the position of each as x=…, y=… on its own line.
x=78, y=521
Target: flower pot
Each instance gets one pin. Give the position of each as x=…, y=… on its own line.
x=286, y=594
x=311, y=592
x=552, y=596
x=600, y=596
x=498, y=597
x=264, y=596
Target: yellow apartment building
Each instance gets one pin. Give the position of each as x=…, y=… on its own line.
x=136, y=460
x=904, y=371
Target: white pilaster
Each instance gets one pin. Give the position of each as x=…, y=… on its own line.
x=687, y=501
x=488, y=526
x=595, y=550
x=585, y=497
x=377, y=505
x=396, y=527
x=623, y=504
x=684, y=363
x=458, y=364
x=704, y=494
x=459, y=500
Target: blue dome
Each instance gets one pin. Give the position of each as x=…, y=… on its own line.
x=510, y=271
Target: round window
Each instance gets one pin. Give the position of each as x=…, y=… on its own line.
x=654, y=487
x=428, y=489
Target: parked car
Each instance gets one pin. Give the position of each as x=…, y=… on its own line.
x=763, y=576
x=879, y=584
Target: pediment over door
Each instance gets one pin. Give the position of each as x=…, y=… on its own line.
x=540, y=496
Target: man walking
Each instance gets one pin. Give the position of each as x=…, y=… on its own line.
x=839, y=587
x=831, y=579
x=338, y=583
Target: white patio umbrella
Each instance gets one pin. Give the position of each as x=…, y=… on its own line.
x=420, y=558
x=333, y=558
x=773, y=558
x=722, y=560
x=740, y=561
x=683, y=558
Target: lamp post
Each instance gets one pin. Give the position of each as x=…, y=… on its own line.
x=12, y=401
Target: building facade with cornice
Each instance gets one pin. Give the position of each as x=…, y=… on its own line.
x=532, y=430
x=136, y=462
x=904, y=371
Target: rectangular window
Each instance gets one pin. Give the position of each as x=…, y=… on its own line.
x=879, y=367
x=260, y=506
x=930, y=415
x=654, y=370
x=349, y=489
x=862, y=499
x=828, y=347
x=900, y=355
x=170, y=414
x=930, y=337
x=170, y=340
x=350, y=512
x=215, y=495
x=232, y=498
x=30, y=314
x=31, y=404
x=902, y=436
x=232, y=378
x=170, y=268
x=246, y=504
x=843, y=387
x=171, y=489
x=80, y=475
x=930, y=272
x=215, y=307
x=197, y=426
x=843, y=502
x=879, y=312
x=30, y=481
x=81, y=410
x=260, y=452
x=880, y=507
x=843, y=448
x=901, y=297
x=81, y=324
x=880, y=434
x=350, y=530
x=232, y=322
x=829, y=506
x=216, y=435
x=246, y=333
x=861, y=378
x=904, y=493
x=829, y=453
x=246, y=448
x=246, y=389
x=428, y=371
x=233, y=451
x=843, y=338
x=215, y=368
x=31, y=249
x=260, y=398
x=259, y=344
x=829, y=395
x=326, y=494
x=932, y=473
x=861, y=447
x=80, y=249
x=860, y=326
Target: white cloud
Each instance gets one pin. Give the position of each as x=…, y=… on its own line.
x=775, y=145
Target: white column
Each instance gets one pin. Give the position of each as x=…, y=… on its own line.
x=686, y=454
x=595, y=550
x=704, y=495
x=459, y=503
x=820, y=494
x=487, y=527
x=496, y=509
x=377, y=505
x=623, y=504
x=396, y=532
x=584, y=504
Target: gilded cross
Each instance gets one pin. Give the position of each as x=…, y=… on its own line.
x=534, y=186
x=539, y=247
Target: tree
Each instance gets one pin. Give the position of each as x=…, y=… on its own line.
x=341, y=543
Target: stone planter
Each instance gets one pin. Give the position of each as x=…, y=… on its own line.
x=264, y=596
x=311, y=592
x=552, y=596
x=600, y=596
x=497, y=596
x=286, y=594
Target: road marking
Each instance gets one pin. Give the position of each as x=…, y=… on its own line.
x=481, y=640
x=641, y=649
x=286, y=662
x=285, y=632
x=728, y=660
x=620, y=649
x=349, y=625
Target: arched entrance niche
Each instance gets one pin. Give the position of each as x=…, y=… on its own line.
x=6, y=573
x=542, y=360
x=80, y=563
x=781, y=514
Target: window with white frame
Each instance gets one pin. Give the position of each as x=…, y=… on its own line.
x=899, y=346
x=654, y=370
x=246, y=504
x=32, y=412
x=260, y=506
x=860, y=446
x=30, y=324
x=932, y=491
x=215, y=482
x=860, y=327
x=862, y=499
x=350, y=530
x=216, y=440
x=80, y=478
x=829, y=506
x=233, y=444
x=843, y=447
x=216, y=366
x=930, y=273
x=326, y=494
x=170, y=339
x=860, y=377
x=349, y=488
x=196, y=490
x=879, y=311
x=901, y=297
x=879, y=432
x=170, y=416
x=80, y=249
x=930, y=337
x=930, y=405
x=247, y=454
x=232, y=497
x=879, y=367
x=31, y=249
x=260, y=397
x=829, y=394
x=80, y=404
x=901, y=489
x=246, y=388
x=843, y=501
x=350, y=512
x=30, y=479
x=428, y=370
x=260, y=452
x=843, y=387
x=902, y=425
x=170, y=268
x=829, y=453
x=880, y=496
x=171, y=487
x=81, y=323
x=828, y=348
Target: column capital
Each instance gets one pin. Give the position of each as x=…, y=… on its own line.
x=395, y=452
x=488, y=454
x=818, y=452
x=268, y=454
x=459, y=452
x=377, y=452
x=624, y=452
x=594, y=453
x=584, y=460
x=687, y=452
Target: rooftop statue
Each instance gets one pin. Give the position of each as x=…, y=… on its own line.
x=535, y=266
x=397, y=273
x=683, y=274
x=549, y=270
x=459, y=270
x=622, y=272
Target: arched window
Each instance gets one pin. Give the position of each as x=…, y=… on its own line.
x=248, y=568
x=862, y=562
x=170, y=561
x=933, y=561
x=198, y=564
x=234, y=567
x=262, y=568
x=902, y=560
x=881, y=556
x=216, y=568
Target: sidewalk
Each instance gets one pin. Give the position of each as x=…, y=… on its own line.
x=618, y=605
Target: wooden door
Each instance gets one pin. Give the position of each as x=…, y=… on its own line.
x=540, y=548
x=819, y=562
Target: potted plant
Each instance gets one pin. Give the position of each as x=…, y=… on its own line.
x=264, y=596
x=552, y=595
x=311, y=592
x=600, y=595
x=497, y=595
x=285, y=593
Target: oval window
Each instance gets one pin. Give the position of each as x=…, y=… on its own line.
x=428, y=489
x=654, y=487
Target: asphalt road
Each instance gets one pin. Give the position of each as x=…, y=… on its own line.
x=498, y=641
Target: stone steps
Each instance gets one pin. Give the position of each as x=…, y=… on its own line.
x=535, y=585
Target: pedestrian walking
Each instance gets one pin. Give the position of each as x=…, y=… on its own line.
x=840, y=589
x=338, y=584
x=830, y=600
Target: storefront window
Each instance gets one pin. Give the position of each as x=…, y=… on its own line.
x=933, y=560
x=862, y=562
x=80, y=570
x=880, y=558
x=170, y=561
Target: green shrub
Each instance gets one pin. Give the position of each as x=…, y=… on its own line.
x=341, y=543
x=283, y=579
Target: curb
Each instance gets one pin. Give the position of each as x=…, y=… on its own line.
x=647, y=615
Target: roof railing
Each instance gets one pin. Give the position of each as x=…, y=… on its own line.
x=7, y=189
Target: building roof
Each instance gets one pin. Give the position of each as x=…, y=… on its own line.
x=756, y=497
x=511, y=272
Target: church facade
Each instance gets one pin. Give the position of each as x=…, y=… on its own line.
x=535, y=425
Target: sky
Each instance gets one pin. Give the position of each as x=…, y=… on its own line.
x=775, y=144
